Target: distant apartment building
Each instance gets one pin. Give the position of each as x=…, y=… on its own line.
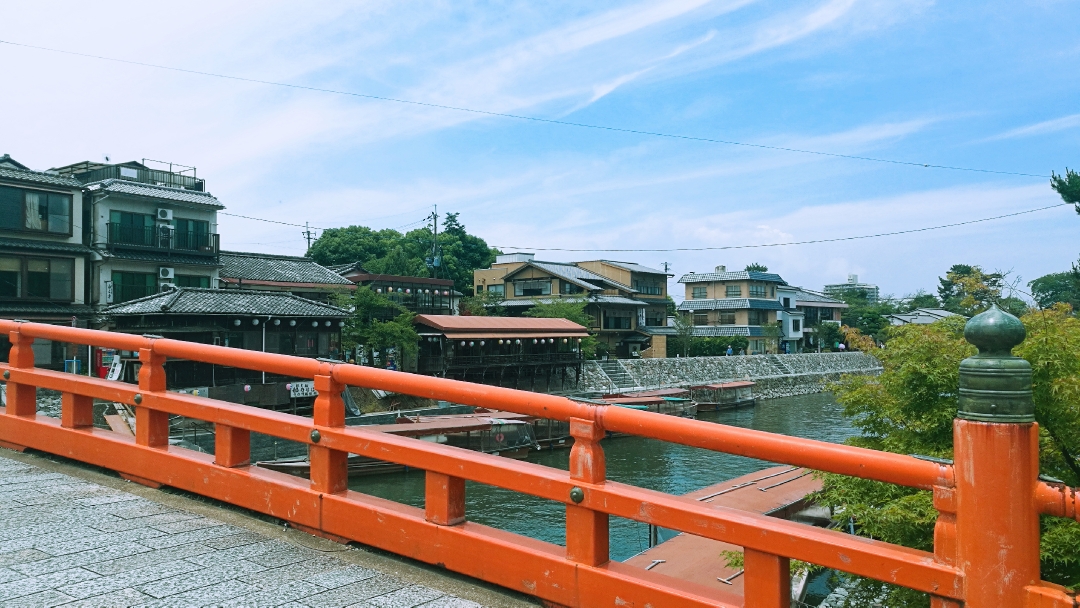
x=627, y=302
x=742, y=303
x=838, y=290
x=816, y=308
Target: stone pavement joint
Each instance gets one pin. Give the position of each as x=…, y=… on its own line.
x=69, y=542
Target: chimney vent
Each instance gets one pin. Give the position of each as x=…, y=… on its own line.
x=721, y=269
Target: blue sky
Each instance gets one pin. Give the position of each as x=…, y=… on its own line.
x=983, y=85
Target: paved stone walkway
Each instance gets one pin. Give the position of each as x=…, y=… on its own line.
x=65, y=541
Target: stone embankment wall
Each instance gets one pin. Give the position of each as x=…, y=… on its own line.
x=775, y=375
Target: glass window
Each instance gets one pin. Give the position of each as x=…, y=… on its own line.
x=192, y=234
x=757, y=291
x=59, y=213
x=796, y=325
x=61, y=279
x=699, y=293
x=569, y=288
x=532, y=288
x=758, y=317
x=187, y=280
x=131, y=228
x=307, y=343
x=826, y=314
x=132, y=285
x=726, y=317
x=498, y=289
x=701, y=318
x=37, y=279
x=10, y=277
x=733, y=291
x=787, y=302
x=49, y=212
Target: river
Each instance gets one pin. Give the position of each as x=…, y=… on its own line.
x=647, y=463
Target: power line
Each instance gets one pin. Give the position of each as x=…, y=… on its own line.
x=259, y=219
x=523, y=117
x=845, y=238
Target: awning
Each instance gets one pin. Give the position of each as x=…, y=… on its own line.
x=512, y=335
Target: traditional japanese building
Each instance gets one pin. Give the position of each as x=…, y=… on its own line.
x=299, y=276
x=421, y=295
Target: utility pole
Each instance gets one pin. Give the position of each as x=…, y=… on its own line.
x=308, y=234
x=666, y=266
x=435, y=261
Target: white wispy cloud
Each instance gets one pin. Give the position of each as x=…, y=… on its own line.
x=1071, y=121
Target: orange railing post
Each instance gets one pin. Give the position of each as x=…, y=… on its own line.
x=996, y=445
x=76, y=411
x=329, y=468
x=232, y=446
x=444, y=499
x=766, y=580
x=21, y=398
x=151, y=426
x=586, y=529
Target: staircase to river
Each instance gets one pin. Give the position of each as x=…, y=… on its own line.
x=617, y=374
x=778, y=364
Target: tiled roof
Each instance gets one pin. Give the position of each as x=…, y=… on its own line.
x=458, y=323
x=589, y=299
x=662, y=330
x=709, y=331
x=38, y=177
x=120, y=186
x=199, y=301
x=739, y=275
x=632, y=267
x=277, y=268
x=731, y=304
x=13, y=309
x=806, y=296
x=43, y=245
x=162, y=257
x=575, y=274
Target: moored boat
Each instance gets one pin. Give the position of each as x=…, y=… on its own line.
x=723, y=395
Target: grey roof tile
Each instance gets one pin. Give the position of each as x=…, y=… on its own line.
x=806, y=296
x=738, y=275
x=43, y=245
x=277, y=268
x=589, y=299
x=38, y=177
x=708, y=331
x=731, y=304
x=162, y=257
x=578, y=275
x=632, y=267
x=13, y=309
x=120, y=186
x=199, y=301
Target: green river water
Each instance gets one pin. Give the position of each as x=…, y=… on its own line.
x=647, y=463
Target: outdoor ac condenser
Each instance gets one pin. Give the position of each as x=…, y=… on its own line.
x=166, y=273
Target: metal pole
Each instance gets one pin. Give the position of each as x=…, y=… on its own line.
x=996, y=443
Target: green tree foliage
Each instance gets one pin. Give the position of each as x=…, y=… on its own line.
x=865, y=314
x=920, y=299
x=717, y=346
x=755, y=267
x=391, y=252
x=1063, y=287
x=483, y=304
x=378, y=323
x=679, y=344
x=909, y=409
x=828, y=335
x=968, y=290
x=1068, y=186
x=572, y=309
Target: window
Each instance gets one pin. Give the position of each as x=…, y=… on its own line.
x=131, y=228
x=701, y=318
x=568, y=288
x=648, y=288
x=192, y=234
x=787, y=302
x=796, y=325
x=37, y=278
x=532, y=288
x=187, y=280
x=33, y=210
x=499, y=289
x=132, y=285
x=655, y=317
x=757, y=291
x=307, y=343
x=699, y=293
x=826, y=314
x=617, y=319
x=479, y=288
x=733, y=291
x=772, y=291
x=726, y=317
x=757, y=317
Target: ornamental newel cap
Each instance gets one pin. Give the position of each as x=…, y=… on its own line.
x=994, y=385
x=994, y=331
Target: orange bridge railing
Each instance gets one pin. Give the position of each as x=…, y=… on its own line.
x=980, y=506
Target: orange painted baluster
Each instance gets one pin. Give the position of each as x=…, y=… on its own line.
x=232, y=446
x=76, y=411
x=767, y=580
x=329, y=468
x=444, y=499
x=945, y=536
x=586, y=530
x=21, y=398
x=151, y=426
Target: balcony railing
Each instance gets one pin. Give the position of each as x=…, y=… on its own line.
x=440, y=362
x=145, y=176
x=154, y=237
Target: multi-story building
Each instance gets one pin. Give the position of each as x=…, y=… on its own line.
x=741, y=303
x=853, y=286
x=43, y=261
x=816, y=308
x=623, y=299
x=148, y=228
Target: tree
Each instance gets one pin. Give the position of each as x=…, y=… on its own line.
x=1057, y=287
x=772, y=333
x=968, y=290
x=684, y=334
x=717, y=346
x=571, y=309
x=483, y=304
x=755, y=267
x=828, y=335
x=920, y=299
x=909, y=409
x=1068, y=186
x=377, y=323
x=391, y=252
x=865, y=313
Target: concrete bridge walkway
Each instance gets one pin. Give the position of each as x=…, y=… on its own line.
x=71, y=535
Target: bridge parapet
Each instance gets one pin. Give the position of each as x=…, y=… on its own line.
x=978, y=490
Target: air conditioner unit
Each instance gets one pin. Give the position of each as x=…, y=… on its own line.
x=168, y=286
x=165, y=272
x=164, y=214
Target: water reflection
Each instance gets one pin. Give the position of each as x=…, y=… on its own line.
x=647, y=463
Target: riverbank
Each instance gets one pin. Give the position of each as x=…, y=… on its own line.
x=776, y=375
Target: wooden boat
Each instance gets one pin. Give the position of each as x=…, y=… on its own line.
x=722, y=396
x=498, y=433
x=672, y=406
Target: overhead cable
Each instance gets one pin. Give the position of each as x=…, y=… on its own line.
x=552, y=121
x=845, y=238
